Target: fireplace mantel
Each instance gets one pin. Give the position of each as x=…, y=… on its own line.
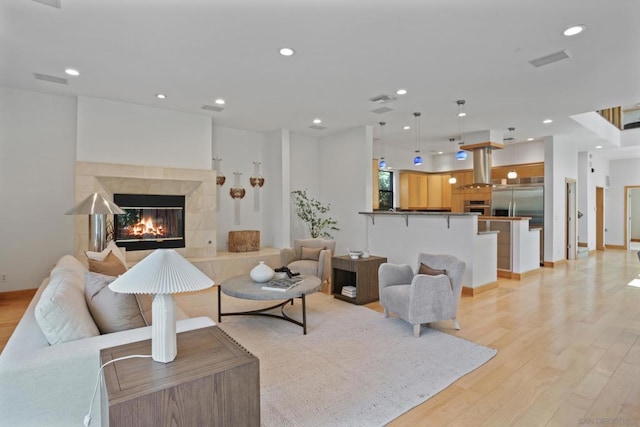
x=197, y=185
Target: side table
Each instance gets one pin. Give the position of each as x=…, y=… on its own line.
x=361, y=273
x=212, y=381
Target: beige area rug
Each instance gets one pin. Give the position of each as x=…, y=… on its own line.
x=353, y=368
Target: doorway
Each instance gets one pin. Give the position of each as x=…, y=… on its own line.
x=632, y=215
x=600, y=219
x=571, y=220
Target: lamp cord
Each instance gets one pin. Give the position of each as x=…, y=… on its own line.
x=87, y=418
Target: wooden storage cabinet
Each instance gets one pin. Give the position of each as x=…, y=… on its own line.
x=212, y=381
x=361, y=273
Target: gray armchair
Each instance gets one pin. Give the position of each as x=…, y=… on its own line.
x=422, y=298
x=310, y=257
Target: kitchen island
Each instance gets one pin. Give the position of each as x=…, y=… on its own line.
x=400, y=236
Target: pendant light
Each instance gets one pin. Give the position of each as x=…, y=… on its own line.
x=452, y=179
x=382, y=164
x=512, y=174
x=417, y=160
x=461, y=154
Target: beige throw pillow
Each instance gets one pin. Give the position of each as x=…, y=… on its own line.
x=111, y=247
x=112, y=311
x=425, y=269
x=111, y=266
x=312, y=254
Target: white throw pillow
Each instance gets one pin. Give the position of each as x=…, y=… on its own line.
x=111, y=247
x=62, y=312
x=112, y=311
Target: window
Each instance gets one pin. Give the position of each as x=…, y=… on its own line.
x=385, y=183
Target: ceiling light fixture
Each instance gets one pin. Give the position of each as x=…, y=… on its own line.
x=401, y=92
x=161, y=96
x=452, y=179
x=285, y=51
x=461, y=154
x=512, y=174
x=406, y=128
x=317, y=121
x=220, y=101
x=382, y=164
x=547, y=121
x=417, y=160
x=72, y=72
x=530, y=139
x=598, y=146
x=572, y=31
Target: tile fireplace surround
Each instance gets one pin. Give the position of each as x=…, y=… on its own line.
x=197, y=185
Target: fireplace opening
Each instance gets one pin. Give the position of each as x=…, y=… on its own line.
x=150, y=221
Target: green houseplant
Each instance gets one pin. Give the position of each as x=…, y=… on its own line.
x=314, y=214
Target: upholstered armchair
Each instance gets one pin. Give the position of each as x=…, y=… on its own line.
x=310, y=257
x=429, y=295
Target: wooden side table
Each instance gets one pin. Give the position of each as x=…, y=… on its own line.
x=361, y=273
x=212, y=381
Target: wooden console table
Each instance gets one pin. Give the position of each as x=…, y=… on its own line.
x=361, y=273
x=212, y=381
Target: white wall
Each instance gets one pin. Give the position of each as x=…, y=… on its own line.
x=345, y=162
x=118, y=132
x=625, y=172
x=37, y=159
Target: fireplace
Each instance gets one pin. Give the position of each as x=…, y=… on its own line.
x=150, y=221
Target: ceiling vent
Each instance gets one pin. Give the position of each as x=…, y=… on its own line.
x=52, y=79
x=550, y=59
x=212, y=108
x=317, y=127
x=52, y=3
x=382, y=110
x=382, y=99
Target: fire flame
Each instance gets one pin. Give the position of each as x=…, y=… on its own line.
x=146, y=227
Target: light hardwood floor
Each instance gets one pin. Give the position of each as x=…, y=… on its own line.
x=568, y=343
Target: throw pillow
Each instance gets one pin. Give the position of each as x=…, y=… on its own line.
x=111, y=247
x=111, y=266
x=425, y=269
x=112, y=311
x=312, y=254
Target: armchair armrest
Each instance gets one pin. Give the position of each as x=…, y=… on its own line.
x=324, y=264
x=394, y=274
x=287, y=256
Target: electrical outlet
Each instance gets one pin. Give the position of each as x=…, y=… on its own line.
x=3, y=278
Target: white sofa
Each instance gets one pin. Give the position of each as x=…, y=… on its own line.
x=52, y=385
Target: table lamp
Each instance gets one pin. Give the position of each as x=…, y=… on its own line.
x=162, y=273
x=97, y=207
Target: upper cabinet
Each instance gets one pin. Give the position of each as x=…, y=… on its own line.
x=424, y=191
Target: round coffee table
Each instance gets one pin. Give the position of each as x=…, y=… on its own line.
x=245, y=288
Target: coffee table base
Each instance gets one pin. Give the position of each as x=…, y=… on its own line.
x=261, y=311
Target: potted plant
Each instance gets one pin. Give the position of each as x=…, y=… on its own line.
x=314, y=214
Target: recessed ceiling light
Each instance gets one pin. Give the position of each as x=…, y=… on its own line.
x=547, y=121
x=440, y=152
x=406, y=128
x=572, y=31
x=161, y=96
x=401, y=92
x=598, y=146
x=530, y=139
x=285, y=51
x=317, y=121
x=462, y=114
x=72, y=72
x=219, y=101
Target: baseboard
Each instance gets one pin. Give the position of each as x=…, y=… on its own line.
x=20, y=294
x=582, y=244
x=635, y=240
x=615, y=247
x=553, y=264
x=506, y=274
x=475, y=291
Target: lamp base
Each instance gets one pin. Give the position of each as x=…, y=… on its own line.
x=163, y=329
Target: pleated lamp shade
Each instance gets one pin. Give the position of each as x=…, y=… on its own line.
x=162, y=273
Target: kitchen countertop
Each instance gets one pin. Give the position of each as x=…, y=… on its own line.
x=504, y=218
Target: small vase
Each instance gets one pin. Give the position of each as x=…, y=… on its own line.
x=261, y=273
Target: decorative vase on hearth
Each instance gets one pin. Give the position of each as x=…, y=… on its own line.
x=261, y=273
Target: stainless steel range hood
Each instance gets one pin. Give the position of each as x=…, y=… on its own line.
x=481, y=163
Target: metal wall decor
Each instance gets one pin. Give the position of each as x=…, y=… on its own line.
x=236, y=192
x=257, y=181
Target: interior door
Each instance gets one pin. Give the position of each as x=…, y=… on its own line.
x=600, y=219
x=571, y=223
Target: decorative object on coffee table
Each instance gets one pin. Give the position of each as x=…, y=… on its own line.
x=162, y=273
x=257, y=181
x=236, y=192
x=261, y=273
x=244, y=241
x=97, y=207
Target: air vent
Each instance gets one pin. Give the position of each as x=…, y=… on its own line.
x=549, y=59
x=382, y=110
x=212, y=108
x=382, y=99
x=52, y=3
x=52, y=79
x=317, y=127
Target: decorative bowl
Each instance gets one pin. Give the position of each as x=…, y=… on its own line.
x=355, y=254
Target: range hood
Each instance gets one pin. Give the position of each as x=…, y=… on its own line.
x=481, y=163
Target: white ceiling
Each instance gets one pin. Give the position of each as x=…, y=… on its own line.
x=347, y=52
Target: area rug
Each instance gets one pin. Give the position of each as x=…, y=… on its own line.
x=353, y=368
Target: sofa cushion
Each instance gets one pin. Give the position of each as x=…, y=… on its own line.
x=312, y=254
x=111, y=311
x=425, y=269
x=111, y=247
x=62, y=312
x=111, y=266
x=305, y=267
